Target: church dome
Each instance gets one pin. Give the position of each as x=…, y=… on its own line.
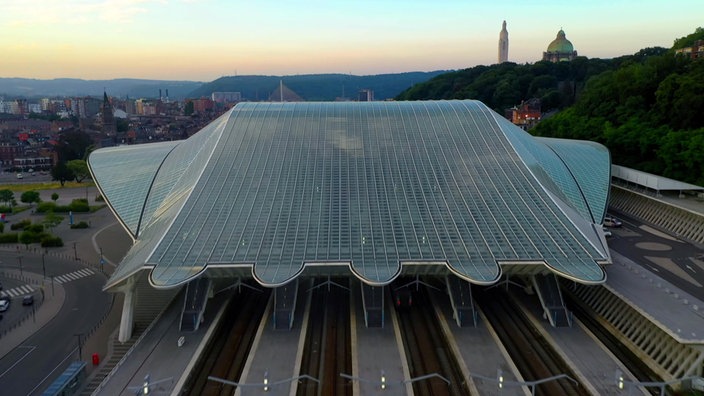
x=561, y=44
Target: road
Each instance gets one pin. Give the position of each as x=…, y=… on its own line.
x=33, y=364
x=666, y=256
x=44, y=354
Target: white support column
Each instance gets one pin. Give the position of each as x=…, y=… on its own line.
x=127, y=320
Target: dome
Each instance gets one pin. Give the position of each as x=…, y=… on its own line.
x=561, y=44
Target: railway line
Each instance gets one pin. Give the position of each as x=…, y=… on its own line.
x=428, y=352
x=226, y=355
x=534, y=357
x=327, y=351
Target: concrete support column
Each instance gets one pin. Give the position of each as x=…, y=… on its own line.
x=127, y=320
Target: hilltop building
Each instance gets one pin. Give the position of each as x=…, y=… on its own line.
x=503, y=44
x=694, y=52
x=560, y=49
x=525, y=115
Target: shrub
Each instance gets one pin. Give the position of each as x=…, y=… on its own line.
x=79, y=205
x=27, y=237
x=36, y=228
x=2, y=227
x=52, y=241
x=81, y=224
x=20, y=224
x=5, y=209
x=9, y=238
x=44, y=207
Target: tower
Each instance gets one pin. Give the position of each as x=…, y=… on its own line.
x=109, y=123
x=503, y=44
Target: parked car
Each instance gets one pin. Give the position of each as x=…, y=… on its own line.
x=4, y=303
x=610, y=221
x=28, y=299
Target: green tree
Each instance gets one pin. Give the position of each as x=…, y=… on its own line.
x=61, y=173
x=7, y=196
x=189, y=108
x=73, y=145
x=30, y=197
x=79, y=169
x=51, y=220
x=54, y=197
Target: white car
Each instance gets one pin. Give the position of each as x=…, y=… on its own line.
x=607, y=232
x=4, y=304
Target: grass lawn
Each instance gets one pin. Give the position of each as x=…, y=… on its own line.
x=54, y=185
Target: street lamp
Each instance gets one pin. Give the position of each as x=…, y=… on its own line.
x=75, y=253
x=43, y=264
x=19, y=258
x=80, y=347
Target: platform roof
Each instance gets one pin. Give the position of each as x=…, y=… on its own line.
x=371, y=185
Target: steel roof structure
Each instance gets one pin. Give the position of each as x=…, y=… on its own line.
x=275, y=188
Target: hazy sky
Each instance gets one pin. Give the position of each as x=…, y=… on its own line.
x=202, y=40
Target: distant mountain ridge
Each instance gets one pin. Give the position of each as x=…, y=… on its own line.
x=323, y=87
x=317, y=87
x=121, y=87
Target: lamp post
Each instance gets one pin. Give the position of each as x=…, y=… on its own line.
x=75, y=252
x=80, y=347
x=43, y=264
x=19, y=259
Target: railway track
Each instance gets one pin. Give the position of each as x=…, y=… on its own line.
x=226, y=355
x=535, y=358
x=427, y=349
x=635, y=364
x=327, y=351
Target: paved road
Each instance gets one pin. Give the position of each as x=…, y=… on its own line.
x=667, y=257
x=76, y=309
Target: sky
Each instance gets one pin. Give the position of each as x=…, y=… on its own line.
x=202, y=40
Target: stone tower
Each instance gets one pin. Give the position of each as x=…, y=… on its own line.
x=109, y=124
x=503, y=44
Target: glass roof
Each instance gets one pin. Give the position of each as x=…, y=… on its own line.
x=277, y=186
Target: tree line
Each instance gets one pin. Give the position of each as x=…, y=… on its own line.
x=647, y=108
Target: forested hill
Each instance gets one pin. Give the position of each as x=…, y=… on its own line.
x=647, y=108
x=649, y=112
x=502, y=86
x=313, y=87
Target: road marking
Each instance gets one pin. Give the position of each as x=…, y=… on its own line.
x=17, y=291
x=71, y=276
x=690, y=268
x=31, y=348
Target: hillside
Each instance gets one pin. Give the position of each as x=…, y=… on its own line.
x=316, y=87
x=646, y=108
x=134, y=88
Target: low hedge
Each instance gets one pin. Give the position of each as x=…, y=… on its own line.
x=20, y=224
x=77, y=205
x=52, y=241
x=80, y=224
x=9, y=238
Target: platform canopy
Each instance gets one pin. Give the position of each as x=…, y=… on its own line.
x=376, y=186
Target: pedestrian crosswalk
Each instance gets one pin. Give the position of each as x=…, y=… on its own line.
x=17, y=291
x=72, y=276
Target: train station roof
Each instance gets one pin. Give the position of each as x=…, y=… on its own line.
x=375, y=186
